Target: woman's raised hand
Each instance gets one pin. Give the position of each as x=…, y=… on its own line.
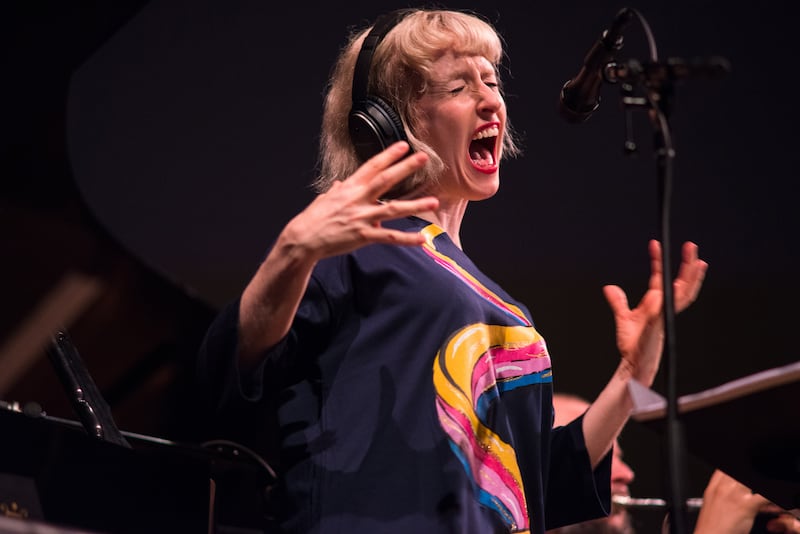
x=349, y=214
x=640, y=331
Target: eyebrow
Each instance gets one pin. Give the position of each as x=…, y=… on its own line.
x=484, y=68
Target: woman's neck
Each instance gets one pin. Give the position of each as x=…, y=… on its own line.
x=448, y=217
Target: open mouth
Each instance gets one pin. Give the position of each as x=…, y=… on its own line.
x=482, y=148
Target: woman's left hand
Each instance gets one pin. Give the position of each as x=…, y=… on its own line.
x=640, y=331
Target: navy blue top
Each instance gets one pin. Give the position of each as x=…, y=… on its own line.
x=415, y=396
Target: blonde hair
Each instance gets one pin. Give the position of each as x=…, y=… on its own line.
x=399, y=74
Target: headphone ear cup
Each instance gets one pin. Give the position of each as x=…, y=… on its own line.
x=374, y=125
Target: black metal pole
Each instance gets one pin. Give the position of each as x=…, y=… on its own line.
x=675, y=439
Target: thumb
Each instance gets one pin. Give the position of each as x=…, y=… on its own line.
x=616, y=298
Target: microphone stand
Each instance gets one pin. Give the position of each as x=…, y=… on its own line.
x=659, y=90
x=676, y=443
x=657, y=103
x=658, y=79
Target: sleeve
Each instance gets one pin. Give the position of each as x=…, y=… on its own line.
x=218, y=374
x=217, y=366
x=575, y=492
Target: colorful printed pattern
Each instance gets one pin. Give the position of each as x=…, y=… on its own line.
x=430, y=232
x=474, y=366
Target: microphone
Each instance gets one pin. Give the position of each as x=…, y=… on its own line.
x=580, y=96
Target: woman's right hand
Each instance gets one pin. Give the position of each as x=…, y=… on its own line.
x=342, y=219
x=349, y=215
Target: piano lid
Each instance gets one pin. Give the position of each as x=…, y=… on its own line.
x=99, y=486
x=136, y=328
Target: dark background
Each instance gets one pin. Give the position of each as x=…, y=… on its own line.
x=159, y=147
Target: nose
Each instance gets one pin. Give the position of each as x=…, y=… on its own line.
x=490, y=101
x=621, y=472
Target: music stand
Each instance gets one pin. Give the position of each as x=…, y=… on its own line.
x=90, y=406
x=747, y=428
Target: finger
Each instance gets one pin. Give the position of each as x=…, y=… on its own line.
x=690, y=276
x=388, y=178
x=379, y=162
x=724, y=486
x=771, y=508
x=654, y=248
x=378, y=234
x=616, y=298
x=712, y=488
x=385, y=169
x=396, y=209
x=784, y=523
x=699, y=267
x=689, y=258
x=758, y=501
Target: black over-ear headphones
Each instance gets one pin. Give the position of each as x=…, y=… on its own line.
x=373, y=123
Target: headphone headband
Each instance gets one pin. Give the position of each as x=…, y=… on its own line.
x=382, y=26
x=373, y=123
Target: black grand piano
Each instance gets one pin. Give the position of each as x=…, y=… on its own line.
x=134, y=331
